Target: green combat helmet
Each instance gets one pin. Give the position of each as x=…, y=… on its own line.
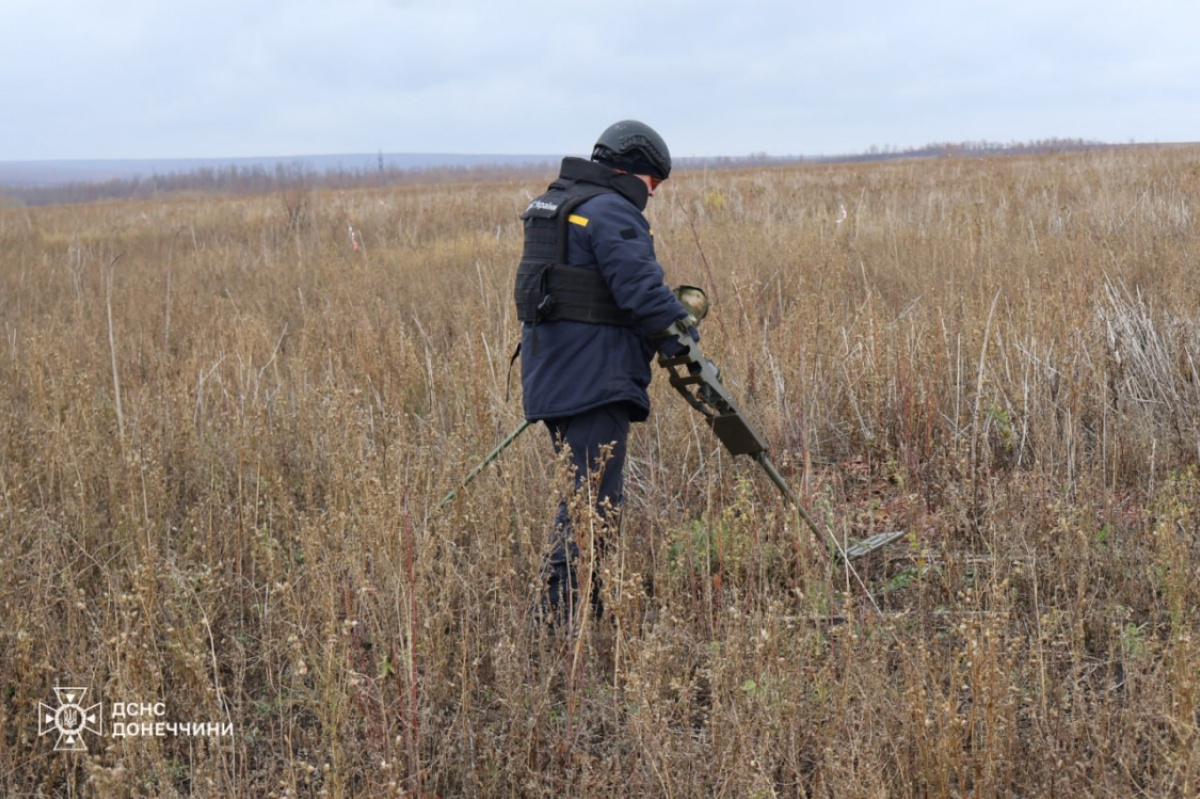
x=634, y=147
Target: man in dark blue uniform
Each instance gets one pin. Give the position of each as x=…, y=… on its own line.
x=591, y=295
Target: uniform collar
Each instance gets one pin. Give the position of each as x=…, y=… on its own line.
x=628, y=186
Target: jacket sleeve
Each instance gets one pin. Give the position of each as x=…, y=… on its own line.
x=620, y=240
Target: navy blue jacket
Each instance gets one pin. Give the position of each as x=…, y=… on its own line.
x=569, y=367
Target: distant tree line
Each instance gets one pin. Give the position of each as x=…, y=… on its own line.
x=975, y=150
x=249, y=180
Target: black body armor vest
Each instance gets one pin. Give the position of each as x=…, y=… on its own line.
x=548, y=288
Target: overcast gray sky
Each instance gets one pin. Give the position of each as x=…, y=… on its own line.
x=217, y=78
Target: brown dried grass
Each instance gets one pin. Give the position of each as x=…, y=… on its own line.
x=224, y=431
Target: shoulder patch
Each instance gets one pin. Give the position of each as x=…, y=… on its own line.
x=629, y=233
x=576, y=219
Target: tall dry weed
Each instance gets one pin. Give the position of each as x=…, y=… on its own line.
x=226, y=425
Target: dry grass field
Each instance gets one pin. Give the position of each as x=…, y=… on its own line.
x=225, y=432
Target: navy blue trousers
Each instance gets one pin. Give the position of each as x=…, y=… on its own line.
x=585, y=434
